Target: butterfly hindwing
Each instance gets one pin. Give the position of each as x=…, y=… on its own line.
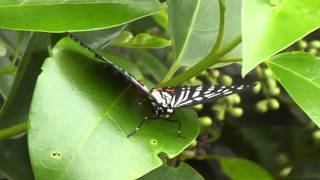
x=192, y=95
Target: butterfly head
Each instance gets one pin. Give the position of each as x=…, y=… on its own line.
x=163, y=112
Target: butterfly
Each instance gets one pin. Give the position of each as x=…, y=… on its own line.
x=166, y=100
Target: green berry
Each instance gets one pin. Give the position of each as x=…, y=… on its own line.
x=257, y=88
x=188, y=154
x=236, y=99
x=205, y=73
x=302, y=44
x=275, y=91
x=225, y=80
x=267, y=73
x=262, y=106
x=313, y=51
x=198, y=107
x=215, y=73
x=274, y=104
x=272, y=83
x=205, y=121
x=193, y=143
x=233, y=99
x=236, y=112
x=195, y=81
x=220, y=115
x=285, y=171
x=316, y=135
x=315, y=44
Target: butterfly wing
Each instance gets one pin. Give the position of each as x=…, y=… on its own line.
x=192, y=95
x=143, y=88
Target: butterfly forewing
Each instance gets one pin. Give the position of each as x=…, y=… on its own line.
x=116, y=68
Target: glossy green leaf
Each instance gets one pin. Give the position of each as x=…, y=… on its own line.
x=193, y=29
x=269, y=26
x=150, y=63
x=184, y=171
x=141, y=40
x=299, y=74
x=81, y=114
x=242, y=169
x=232, y=25
x=70, y=15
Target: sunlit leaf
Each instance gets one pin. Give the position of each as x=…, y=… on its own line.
x=192, y=35
x=70, y=15
x=299, y=74
x=81, y=114
x=270, y=26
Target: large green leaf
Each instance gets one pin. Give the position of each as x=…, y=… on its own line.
x=81, y=114
x=299, y=74
x=184, y=171
x=14, y=157
x=270, y=26
x=68, y=15
x=193, y=28
x=242, y=169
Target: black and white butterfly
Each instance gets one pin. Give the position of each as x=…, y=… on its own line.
x=166, y=100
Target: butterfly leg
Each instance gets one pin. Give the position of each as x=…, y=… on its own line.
x=139, y=126
x=179, y=126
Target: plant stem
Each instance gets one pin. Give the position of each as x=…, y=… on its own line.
x=217, y=45
x=211, y=59
x=13, y=130
x=175, y=66
x=10, y=69
x=231, y=59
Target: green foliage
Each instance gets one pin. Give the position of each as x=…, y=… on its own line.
x=299, y=74
x=281, y=23
x=238, y=168
x=61, y=16
x=184, y=171
x=82, y=112
x=105, y=108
